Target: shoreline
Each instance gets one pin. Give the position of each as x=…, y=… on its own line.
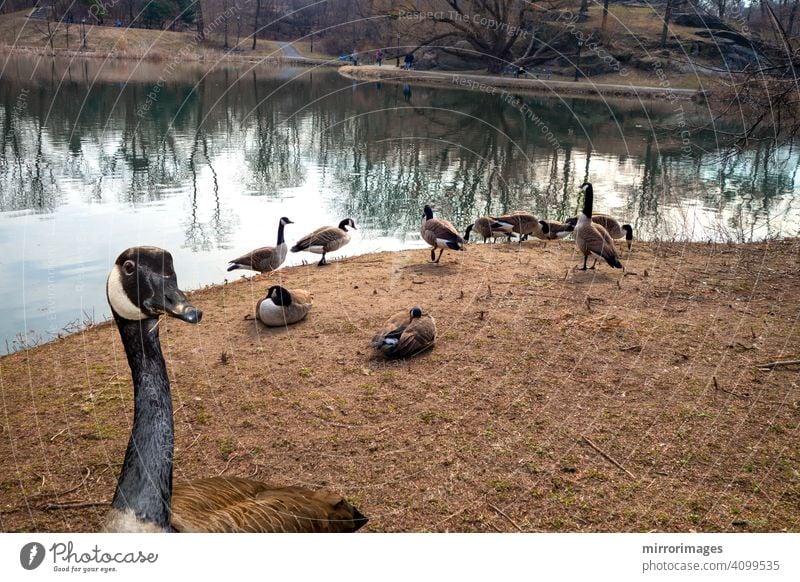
x=488, y=83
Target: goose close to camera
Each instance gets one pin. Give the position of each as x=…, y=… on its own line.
x=283, y=307
x=141, y=287
x=591, y=238
x=265, y=259
x=405, y=334
x=440, y=234
x=325, y=240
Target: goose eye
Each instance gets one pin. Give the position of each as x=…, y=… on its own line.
x=128, y=267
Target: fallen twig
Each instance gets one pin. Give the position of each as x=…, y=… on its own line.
x=717, y=387
x=73, y=505
x=511, y=521
x=779, y=364
x=607, y=456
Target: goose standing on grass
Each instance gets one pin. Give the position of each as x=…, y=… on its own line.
x=282, y=307
x=615, y=230
x=142, y=287
x=440, y=234
x=489, y=227
x=325, y=240
x=522, y=223
x=265, y=259
x=591, y=238
x=405, y=334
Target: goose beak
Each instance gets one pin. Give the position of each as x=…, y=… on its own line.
x=173, y=302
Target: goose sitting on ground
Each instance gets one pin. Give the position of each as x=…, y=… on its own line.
x=405, y=334
x=591, y=238
x=489, y=227
x=142, y=287
x=265, y=259
x=522, y=223
x=440, y=234
x=612, y=226
x=282, y=307
x=325, y=240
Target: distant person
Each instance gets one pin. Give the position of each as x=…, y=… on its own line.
x=408, y=62
x=354, y=58
x=379, y=57
x=520, y=72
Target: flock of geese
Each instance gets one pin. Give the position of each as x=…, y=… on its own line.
x=142, y=286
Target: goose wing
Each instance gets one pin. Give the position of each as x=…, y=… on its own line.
x=321, y=237
x=257, y=260
x=437, y=230
x=392, y=329
x=223, y=504
x=418, y=336
x=593, y=238
x=610, y=223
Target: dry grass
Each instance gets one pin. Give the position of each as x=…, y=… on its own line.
x=486, y=431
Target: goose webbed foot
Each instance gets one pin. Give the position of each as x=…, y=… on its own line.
x=322, y=262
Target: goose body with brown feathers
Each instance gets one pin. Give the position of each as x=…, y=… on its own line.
x=523, y=223
x=265, y=259
x=440, y=234
x=489, y=227
x=325, y=240
x=591, y=238
x=141, y=287
x=405, y=334
x=615, y=230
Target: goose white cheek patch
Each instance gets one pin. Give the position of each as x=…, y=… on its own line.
x=119, y=300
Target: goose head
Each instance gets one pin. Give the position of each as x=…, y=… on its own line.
x=469, y=230
x=415, y=312
x=586, y=188
x=347, y=222
x=427, y=212
x=280, y=296
x=143, y=285
x=545, y=227
x=572, y=221
x=284, y=221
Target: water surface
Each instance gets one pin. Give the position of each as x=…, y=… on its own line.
x=99, y=156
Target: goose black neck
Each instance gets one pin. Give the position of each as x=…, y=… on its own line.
x=588, y=201
x=343, y=224
x=280, y=233
x=145, y=483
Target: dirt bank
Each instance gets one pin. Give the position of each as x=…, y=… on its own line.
x=537, y=369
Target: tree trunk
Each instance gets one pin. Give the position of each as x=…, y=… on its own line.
x=605, y=15
x=255, y=23
x=665, y=30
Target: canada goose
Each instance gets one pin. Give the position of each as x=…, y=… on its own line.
x=406, y=333
x=440, y=234
x=612, y=226
x=489, y=227
x=591, y=238
x=265, y=259
x=281, y=307
x=325, y=240
x=552, y=229
x=141, y=287
x=523, y=223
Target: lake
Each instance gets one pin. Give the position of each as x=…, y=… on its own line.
x=99, y=156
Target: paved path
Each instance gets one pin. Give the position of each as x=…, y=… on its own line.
x=289, y=50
